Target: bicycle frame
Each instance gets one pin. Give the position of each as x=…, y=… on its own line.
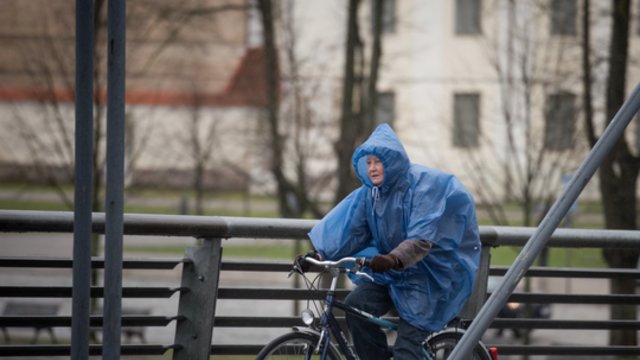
x=328, y=322
x=329, y=326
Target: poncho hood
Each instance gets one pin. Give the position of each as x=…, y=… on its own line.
x=384, y=144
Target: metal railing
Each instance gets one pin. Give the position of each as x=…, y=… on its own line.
x=199, y=289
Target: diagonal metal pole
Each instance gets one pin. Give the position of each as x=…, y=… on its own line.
x=114, y=202
x=549, y=223
x=83, y=181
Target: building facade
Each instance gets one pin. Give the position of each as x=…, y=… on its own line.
x=489, y=90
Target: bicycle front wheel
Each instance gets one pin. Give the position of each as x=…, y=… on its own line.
x=441, y=346
x=294, y=345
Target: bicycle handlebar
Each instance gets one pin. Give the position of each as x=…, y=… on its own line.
x=341, y=263
x=338, y=263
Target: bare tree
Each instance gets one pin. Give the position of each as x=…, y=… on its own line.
x=359, y=92
x=286, y=192
x=618, y=174
x=534, y=86
x=294, y=129
x=201, y=138
x=47, y=59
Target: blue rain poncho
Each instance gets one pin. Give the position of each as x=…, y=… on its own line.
x=412, y=203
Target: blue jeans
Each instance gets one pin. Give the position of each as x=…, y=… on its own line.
x=369, y=340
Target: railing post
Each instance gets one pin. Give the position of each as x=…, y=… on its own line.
x=83, y=192
x=479, y=294
x=197, y=304
x=114, y=193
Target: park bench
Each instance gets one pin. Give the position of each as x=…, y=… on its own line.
x=129, y=332
x=29, y=309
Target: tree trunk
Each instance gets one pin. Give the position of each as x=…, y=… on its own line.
x=586, y=73
x=618, y=175
x=376, y=53
x=348, y=121
x=287, y=196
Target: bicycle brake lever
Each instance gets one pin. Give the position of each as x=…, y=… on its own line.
x=294, y=269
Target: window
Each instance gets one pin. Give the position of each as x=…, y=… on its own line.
x=385, y=108
x=563, y=17
x=560, y=121
x=468, y=17
x=466, y=120
x=388, y=15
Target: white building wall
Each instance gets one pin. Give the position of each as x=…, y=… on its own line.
x=424, y=63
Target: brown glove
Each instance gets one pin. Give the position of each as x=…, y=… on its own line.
x=303, y=265
x=382, y=263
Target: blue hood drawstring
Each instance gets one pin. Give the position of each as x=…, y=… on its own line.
x=375, y=194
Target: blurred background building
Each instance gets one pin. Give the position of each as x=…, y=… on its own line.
x=490, y=90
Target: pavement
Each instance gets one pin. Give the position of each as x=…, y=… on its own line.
x=60, y=245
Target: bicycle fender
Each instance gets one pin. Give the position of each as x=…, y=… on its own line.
x=458, y=332
x=306, y=330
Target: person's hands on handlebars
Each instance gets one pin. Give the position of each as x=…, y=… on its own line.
x=382, y=263
x=304, y=265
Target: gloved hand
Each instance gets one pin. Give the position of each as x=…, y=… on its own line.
x=304, y=265
x=382, y=263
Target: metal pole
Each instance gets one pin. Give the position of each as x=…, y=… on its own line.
x=83, y=179
x=536, y=243
x=115, y=180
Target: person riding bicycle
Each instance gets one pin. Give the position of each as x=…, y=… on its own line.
x=418, y=226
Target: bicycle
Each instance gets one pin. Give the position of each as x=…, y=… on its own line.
x=325, y=339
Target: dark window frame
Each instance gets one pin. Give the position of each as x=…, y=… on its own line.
x=385, y=115
x=563, y=17
x=389, y=16
x=560, y=121
x=468, y=20
x=466, y=129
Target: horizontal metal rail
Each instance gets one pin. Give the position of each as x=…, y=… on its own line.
x=272, y=228
x=96, y=292
x=96, y=263
x=65, y=350
x=499, y=323
x=502, y=349
x=532, y=298
x=563, y=350
x=275, y=294
x=592, y=299
x=590, y=273
x=95, y=321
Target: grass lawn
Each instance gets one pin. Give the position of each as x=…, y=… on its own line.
x=263, y=252
x=558, y=257
x=500, y=256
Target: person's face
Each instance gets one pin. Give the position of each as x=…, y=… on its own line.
x=375, y=170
